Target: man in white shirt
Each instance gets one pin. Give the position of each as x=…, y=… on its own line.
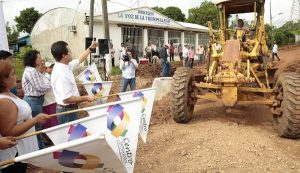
x=128, y=65
x=63, y=82
x=275, y=51
x=185, y=55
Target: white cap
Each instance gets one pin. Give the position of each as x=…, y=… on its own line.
x=48, y=64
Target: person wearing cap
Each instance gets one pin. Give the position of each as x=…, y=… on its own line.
x=49, y=105
x=63, y=81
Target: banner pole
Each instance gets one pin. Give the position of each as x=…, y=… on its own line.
x=6, y=162
x=58, y=114
x=107, y=96
x=29, y=134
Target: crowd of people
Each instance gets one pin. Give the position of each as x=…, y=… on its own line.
x=186, y=54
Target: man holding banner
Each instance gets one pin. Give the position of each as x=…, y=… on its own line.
x=63, y=82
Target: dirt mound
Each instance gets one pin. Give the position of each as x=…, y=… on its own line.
x=161, y=113
x=149, y=70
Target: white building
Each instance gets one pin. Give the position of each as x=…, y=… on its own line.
x=138, y=26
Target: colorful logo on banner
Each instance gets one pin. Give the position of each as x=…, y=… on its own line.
x=98, y=89
x=145, y=101
x=77, y=132
x=117, y=120
x=89, y=75
x=73, y=159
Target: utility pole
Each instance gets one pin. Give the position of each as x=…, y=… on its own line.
x=107, y=64
x=105, y=19
x=271, y=24
x=91, y=19
x=91, y=24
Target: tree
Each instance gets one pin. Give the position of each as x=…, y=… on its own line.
x=206, y=12
x=12, y=34
x=174, y=13
x=159, y=9
x=27, y=19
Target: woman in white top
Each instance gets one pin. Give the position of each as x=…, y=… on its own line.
x=15, y=120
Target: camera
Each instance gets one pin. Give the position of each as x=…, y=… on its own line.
x=125, y=58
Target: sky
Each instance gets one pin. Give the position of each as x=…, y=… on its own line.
x=12, y=8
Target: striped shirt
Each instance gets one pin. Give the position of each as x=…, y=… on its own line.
x=33, y=83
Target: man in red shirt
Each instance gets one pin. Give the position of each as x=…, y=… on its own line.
x=172, y=48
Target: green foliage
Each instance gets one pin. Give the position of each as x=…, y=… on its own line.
x=174, y=13
x=268, y=35
x=279, y=36
x=12, y=34
x=22, y=52
x=19, y=68
x=159, y=9
x=206, y=12
x=116, y=71
x=27, y=19
x=297, y=32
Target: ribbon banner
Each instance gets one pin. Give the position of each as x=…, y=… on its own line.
x=90, y=74
x=91, y=154
x=147, y=96
x=98, y=89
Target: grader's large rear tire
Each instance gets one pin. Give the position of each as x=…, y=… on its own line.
x=286, y=118
x=183, y=95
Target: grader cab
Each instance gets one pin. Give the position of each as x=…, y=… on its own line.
x=239, y=71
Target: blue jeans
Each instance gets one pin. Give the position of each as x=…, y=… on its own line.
x=66, y=118
x=166, y=69
x=36, y=105
x=200, y=59
x=125, y=83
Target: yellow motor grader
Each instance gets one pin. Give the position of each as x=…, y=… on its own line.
x=240, y=72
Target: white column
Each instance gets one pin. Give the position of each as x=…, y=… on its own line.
x=196, y=41
x=182, y=38
x=166, y=37
x=145, y=41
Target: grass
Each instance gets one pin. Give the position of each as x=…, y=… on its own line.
x=19, y=68
x=116, y=71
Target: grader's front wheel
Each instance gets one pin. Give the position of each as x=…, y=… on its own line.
x=183, y=95
x=287, y=112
